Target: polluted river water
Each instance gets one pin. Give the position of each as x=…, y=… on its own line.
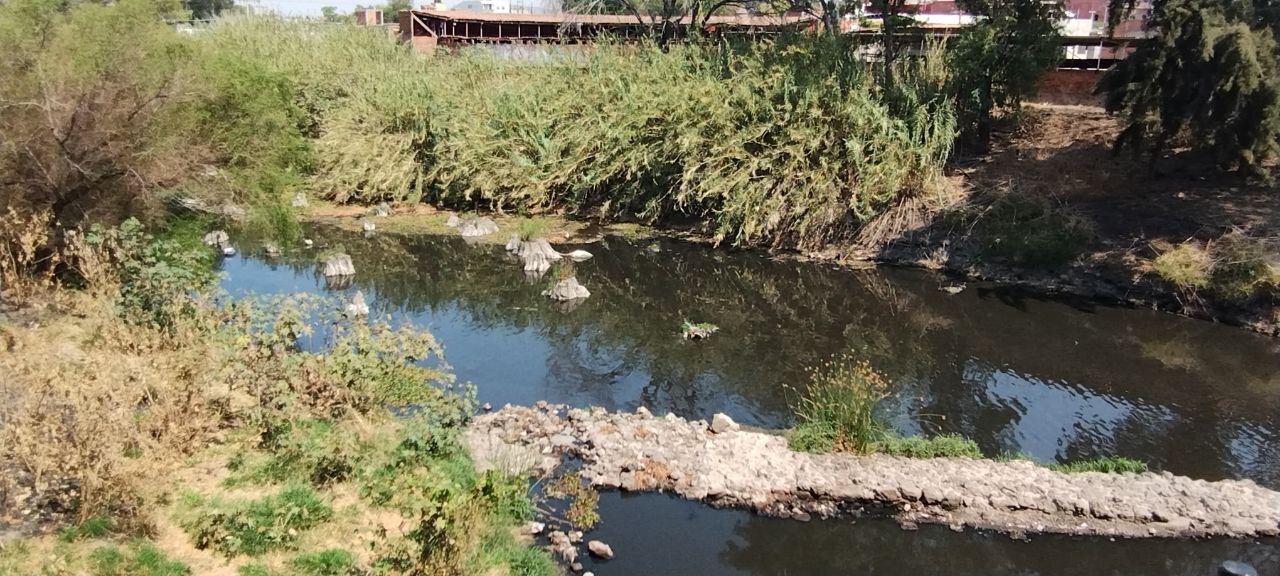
x=1050, y=379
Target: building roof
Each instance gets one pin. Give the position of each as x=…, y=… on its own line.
x=607, y=19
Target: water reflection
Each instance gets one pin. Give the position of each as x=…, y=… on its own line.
x=1016, y=373
x=657, y=534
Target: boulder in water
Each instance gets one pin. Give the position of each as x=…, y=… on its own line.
x=567, y=289
x=600, y=549
x=537, y=255
x=357, y=308
x=579, y=255
x=338, y=265
x=473, y=227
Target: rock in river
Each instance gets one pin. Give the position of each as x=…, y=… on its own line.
x=600, y=549
x=338, y=265
x=567, y=289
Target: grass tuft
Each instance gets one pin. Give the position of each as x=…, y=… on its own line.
x=1107, y=464
x=254, y=527
x=1186, y=266
x=138, y=558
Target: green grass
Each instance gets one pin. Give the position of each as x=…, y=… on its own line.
x=1033, y=231
x=96, y=526
x=254, y=527
x=330, y=562
x=1186, y=266
x=1108, y=464
x=942, y=446
x=138, y=558
x=838, y=407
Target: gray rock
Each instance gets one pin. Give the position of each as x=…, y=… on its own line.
x=721, y=423
x=357, y=308
x=534, y=528
x=600, y=549
x=579, y=255
x=567, y=289
x=217, y=239
x=452, y=220
x=368, y=226
x=382, y=210
x=1234, y=568
x=338, y=265
x=475, y=227
x=299, y=200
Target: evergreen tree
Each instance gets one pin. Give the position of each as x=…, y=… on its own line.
x=1210, y=71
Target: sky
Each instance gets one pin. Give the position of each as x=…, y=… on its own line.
x=304, y=7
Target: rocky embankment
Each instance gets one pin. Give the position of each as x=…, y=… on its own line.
x=723, y=465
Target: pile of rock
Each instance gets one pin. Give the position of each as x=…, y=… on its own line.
x=721, y=464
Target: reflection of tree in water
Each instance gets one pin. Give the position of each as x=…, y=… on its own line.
x=767, y=546
x=621, y=346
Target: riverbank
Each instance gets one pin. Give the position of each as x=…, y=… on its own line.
x=724, y=465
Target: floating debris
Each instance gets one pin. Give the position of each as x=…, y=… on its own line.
x=698, y=331
x=567, y=289
x=338, y=265
x=357, y=308
x=579, y=255
x=228, y=251
x=308, y=242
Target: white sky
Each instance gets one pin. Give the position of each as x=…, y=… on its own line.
x=305, y=7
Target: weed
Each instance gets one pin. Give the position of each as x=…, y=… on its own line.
x=840, y=404
x=96, y=526
x=1186, y=266
x=138, y=558
x=329, y=562
x=1244, y=266
x=253, y=527
x=531, y=228
x=1109, y=464
x=583, y=500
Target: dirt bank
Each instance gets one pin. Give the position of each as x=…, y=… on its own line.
x=756, y=470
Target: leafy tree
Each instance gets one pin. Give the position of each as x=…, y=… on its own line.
x=999, y=60
x=205, y=9
x=1209, y=70
x=330, y=14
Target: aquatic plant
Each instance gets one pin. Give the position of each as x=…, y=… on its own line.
x=837, y=409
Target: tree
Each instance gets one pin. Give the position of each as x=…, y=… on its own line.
x=206, y=9
x=999, y=60
x=1209, y=69
x=330, y=14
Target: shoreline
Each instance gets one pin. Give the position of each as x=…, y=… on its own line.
x=726, y=466
x=1097, y=277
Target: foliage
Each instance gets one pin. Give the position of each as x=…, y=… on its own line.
x=252, y=527
x=139, y=558
x=96, y=526
x=156, y=275
x=1234, y=267
x=1032, y=230
x=582, y=511
x=839, y=407
x=999, y=60
x=1109, y=465
x=92, y=125
x=713, y=131
x=1210, y=71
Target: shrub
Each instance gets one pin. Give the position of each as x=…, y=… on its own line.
x=139, y=558
x=1244, y=266
x=312, y=450
x=1186, y=266
x=1109, y=464
x=253, y=527
x=840, y=404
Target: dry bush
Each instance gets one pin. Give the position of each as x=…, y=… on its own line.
x=94, y=406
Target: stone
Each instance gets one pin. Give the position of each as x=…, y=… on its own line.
x=271, y=249
x=476, y=227
x=1234, y=568
x=567, y=289
x=579, y=255
x=452, y=221
x=299, y=200
x=537, y=255
x=368, y=226
x=576, y=566
x=535, y=528
x=357, y=308
x=575, y=536
x=382, y=210
x=513, y=243
x=338, y=265
x=308, y=242
x=217, y=239
x=721, y=423
x=600, y=549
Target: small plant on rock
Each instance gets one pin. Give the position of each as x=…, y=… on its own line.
x=838, y=407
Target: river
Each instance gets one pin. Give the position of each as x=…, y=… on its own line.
x=1052, y=379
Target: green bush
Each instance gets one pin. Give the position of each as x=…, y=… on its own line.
x=156, y=275
x=1032, y=231
x=316, y=451
x=96, y=526
x=138, y=558
x=254, y=527
x=1186, y=266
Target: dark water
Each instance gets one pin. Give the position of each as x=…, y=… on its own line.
x=1054, y=380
